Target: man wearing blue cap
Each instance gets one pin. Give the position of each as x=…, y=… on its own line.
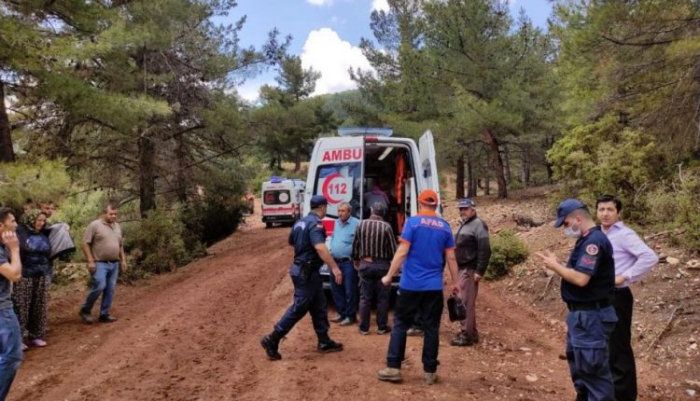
x=308, y=237
x=587, y=283
x=473, y=252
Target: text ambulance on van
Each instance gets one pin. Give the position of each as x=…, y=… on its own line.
x=365, y=161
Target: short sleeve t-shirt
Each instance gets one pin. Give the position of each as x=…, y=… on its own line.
x=5, y=284
x=429, y=237
x=105, y=240
x=305, y=234
x=592, y=255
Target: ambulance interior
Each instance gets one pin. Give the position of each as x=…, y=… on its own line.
x=388, y=168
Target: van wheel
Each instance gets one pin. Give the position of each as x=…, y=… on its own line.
x=268, y=225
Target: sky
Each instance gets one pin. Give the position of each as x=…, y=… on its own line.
x=326, y=34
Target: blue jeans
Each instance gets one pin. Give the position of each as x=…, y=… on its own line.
x=104, y=282
x=587, y=351
x=10, y=350
x=308, y=298
x=345, y=294
x=426, y=305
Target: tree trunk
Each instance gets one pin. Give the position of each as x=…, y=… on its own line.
x=7, y=152
x=459, y=190
x=471, y=180
x=147, y=182
x=487, y=184
x=506, y=154
x=496, y=163
x=181, y=155
x=297, y=160
x=525, y=166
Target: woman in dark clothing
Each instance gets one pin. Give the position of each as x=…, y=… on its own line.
x=30, y=293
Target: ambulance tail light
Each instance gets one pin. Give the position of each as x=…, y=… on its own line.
x=371, y=139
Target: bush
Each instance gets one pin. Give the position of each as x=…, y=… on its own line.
x=675, y=206
x=507, y=250
x=209, y=221
x=157, y=245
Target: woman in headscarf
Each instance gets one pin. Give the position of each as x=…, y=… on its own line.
x=30, y=293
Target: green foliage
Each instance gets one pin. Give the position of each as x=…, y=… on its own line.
x=604, y=157
x=38, y=180
x=507, y=250
x=157, y=244
x=675, y=205
x=209, y=222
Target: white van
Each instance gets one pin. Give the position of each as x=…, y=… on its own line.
x=361, y=160
x=281, y=200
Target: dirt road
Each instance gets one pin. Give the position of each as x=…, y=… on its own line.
x=194, y=335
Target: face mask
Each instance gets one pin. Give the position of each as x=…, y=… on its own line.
x=572, y=233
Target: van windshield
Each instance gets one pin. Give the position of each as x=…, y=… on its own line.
x=340, y=183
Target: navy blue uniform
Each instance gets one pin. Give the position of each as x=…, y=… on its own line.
x=591, y=319
x=308, y=288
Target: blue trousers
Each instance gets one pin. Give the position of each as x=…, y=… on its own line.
x=427, y=305
x=345, y=294
x=588, y=353
x=104, y=282
x=308, y=298
x=10, y=350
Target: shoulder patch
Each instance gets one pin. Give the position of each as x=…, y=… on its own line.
x=319, y=225
x=592, y=249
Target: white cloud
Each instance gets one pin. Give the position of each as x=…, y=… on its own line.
x=326, y=52
x=249, y=91
x=380, y=5
x=320, y=2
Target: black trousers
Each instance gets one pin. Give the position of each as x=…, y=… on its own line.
x=624, y=370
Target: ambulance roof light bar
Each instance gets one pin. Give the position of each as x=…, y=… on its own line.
x=365, y=131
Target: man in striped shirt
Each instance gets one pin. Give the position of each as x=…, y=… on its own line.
x=372, y=250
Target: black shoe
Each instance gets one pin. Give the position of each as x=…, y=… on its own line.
x=385, y=330
x=270, y=347
x=329, y=346
x=107, y=318
x=461, y=340
x=86, y=316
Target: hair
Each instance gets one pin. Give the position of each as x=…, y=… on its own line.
x=5, y=212
x=378, y=209
x=110, y=205
x=346, y=205
x=583, y=212
x=609, y=198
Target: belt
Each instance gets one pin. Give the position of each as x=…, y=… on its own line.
x=107, y=261
x=578, y=306
x=341, y=260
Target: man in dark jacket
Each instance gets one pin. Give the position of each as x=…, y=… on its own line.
x=473, y=253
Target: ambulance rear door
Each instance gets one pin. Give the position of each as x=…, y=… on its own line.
x=429, y=172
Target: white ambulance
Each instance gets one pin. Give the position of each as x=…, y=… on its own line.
x=363, y=161
x=281, y=200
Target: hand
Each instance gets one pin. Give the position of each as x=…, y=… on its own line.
x=91, y=266
x=619, y=280
x=9, y=238
x=477, y=277
x=386, y=280
x=454, y=290
x=550, y=260
x=123, y=266
x=338, y=275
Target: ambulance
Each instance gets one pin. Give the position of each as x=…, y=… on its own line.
x=361, y=161
x=281, y=200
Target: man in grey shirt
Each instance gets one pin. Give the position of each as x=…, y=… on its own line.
x=104, y=252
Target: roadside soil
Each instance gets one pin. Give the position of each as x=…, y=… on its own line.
x=194, y=335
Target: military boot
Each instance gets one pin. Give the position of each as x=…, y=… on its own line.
x=326, y=345
x=271, y=344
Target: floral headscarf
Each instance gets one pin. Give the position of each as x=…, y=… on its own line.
x=29, y=218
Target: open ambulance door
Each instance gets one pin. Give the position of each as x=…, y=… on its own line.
x=429, y=172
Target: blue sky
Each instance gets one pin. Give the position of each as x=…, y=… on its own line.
x=326, y=34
